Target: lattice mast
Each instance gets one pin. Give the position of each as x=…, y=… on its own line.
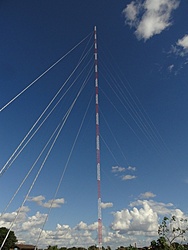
x=98, y=141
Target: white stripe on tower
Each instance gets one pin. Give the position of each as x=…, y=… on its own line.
x=98, y=142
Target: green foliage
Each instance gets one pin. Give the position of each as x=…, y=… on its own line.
x=62, y=248
x=121, y=248
x=162, y=243
x=131, y=248
x=52, y=247
x=171, y=229
x=94, y=247
x=178, y=246
x=154, y=244
x=72, y=248
x=81, y=248
x=10, y=241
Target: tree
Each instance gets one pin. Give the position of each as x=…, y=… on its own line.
x=52, y=247
x=10, y=241
x=162, y=243
x=131, y=247
x=171, y=229
x=154, y=244
x=81, y=248
x=72, y=248
x=62, y=248
x=94, y=247
x=121, y=248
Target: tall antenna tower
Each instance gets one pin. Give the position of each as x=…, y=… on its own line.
x=98, y=142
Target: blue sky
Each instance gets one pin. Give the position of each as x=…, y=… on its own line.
x=143, y=59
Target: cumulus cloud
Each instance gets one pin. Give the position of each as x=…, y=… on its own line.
x=6, y=219
x=63, y=227
x=131, y=13
x=106, y=205
x=128, y=177
x=81, y=226
x=183, y=43
x=34, y=221
x=149, y=17
x=65, y=235
x=159, y=207
x=54, y=203
x=38, y=199
x=131, y=168
x=141, y=219
x=23, y=224
x=137, y=220
x=49, y=204
x=28, y=229
x=93, y=227
x=146, y=195
x=117, y=169
x=113, y=237
x=181, y=47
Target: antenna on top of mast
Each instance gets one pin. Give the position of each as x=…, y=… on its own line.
x=97, y=141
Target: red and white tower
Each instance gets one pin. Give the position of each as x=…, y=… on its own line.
x=98, y=142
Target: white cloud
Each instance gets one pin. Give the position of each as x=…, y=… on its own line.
x=6, y=219
x=131, y=12
x=63, y=227
x=49, y=204
x=149, y=17
x=147, y=195
x=34, y=221
x=136, y=220
x=117, y=169
x=81, y=226
x=128, y=177
x=131, y=168
x=159, y=207
x=93, y=227
x=28, y=229
x=143, y=218
x=24, y=209
x=54, y=203
x=181, y=47
x=183, y=43
x=38, y=199
x=116, y=238
x=170, y=67
x=106, y=205
x=178, y=213
x=137, y=224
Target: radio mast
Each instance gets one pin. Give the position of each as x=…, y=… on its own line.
x=98, y=142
